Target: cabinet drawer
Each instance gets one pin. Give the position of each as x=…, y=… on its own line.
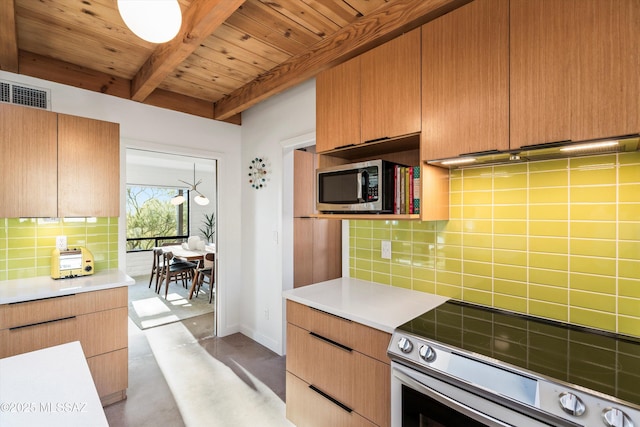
x=31, y=312
x=103, y=331
x=364, y=339
x=357, y=381
x=38, y=336
x=110, y=371
x=322, y=364
x=90, y=302
x=308, y=408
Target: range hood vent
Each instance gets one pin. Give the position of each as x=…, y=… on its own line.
x=29, y=96
x=531, y=153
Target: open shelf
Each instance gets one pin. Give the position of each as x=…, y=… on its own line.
x=396, y=217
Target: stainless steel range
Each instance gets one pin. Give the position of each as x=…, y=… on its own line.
x=467, y=365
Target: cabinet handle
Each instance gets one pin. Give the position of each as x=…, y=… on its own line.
x=345, y=146
x=329, y=314
x=331, y=399
x=332, y=342
x=384, y=138
x=41, y=299
x=41, y=323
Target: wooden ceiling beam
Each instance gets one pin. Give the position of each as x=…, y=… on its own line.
x=57, y=71
x=363, y=34
x=199, y=21
x=8, y=37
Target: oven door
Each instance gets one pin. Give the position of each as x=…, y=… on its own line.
x=420, y=400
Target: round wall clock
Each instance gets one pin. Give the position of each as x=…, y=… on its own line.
x=257, y=173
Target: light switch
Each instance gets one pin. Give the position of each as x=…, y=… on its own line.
x=386, y=249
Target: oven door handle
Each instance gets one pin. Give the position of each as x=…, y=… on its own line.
x=446, y=400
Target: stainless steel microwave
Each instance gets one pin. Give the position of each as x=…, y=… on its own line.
x=365, y=187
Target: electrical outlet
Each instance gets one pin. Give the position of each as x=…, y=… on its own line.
x=61, y=242
x=266, y=314
x=386, y=249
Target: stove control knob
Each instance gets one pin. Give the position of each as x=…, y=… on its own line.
x=427, y=353
x=572, y=404
x=614, y=417
x=405, y=345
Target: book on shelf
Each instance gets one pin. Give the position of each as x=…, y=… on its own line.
x=406, y=194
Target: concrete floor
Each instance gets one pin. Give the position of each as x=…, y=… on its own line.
x=181, y=375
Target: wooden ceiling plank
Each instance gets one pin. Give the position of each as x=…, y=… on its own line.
x=267, y=34
x=271, y=17
x=388, y=22
x=199, y=62
x=300, y=12
x=200, y=20
x=252, y=44
x=8, y=37
x=338, y=11
x=89, y=52
x=234, y=53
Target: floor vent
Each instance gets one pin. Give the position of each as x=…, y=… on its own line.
x=29, y=96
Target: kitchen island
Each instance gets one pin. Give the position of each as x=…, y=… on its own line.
x=49, y=387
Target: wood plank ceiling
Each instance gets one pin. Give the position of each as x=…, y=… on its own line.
x=228, y=55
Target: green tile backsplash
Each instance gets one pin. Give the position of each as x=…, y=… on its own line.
x=558, y=239
x=26, y=243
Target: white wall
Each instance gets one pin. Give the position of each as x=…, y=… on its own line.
x=266, y=254
x=143, y=126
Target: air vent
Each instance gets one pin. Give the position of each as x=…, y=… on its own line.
x=28, y=96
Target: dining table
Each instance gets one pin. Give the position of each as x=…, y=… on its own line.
x=192, y=255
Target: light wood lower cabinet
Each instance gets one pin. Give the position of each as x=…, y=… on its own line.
x=337, y=370
x=97, y=319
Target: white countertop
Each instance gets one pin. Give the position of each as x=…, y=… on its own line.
x=49, y=387
x=382, y=307
x=19, y=290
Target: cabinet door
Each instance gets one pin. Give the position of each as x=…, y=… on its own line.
x=302, y=251
x=539, y=64
x=327, y=249
x=391, y=88
x=304, y=168
x=88, y=167
x=28, y=165
x=338, y=106
x=465, y=80
x=605, y=44
x=110, y=372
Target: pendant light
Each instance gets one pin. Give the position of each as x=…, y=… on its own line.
x=156, y=21
x=200, y=199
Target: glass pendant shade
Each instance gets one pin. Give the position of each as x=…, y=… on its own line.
x=201, y=200
x=156, y=21
x=179, y=199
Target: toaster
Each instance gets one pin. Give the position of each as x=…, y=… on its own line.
x=71, y=262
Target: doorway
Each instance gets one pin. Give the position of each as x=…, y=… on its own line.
x=155, y=217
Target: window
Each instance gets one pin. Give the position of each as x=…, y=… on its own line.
x=152, y=219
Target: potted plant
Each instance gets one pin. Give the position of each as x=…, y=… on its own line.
x=208, y=229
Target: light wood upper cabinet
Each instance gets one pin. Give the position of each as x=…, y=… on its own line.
x=88, y=167
x=574, y=70
x=28, y=165
x=540, y=81
x=375, y=95
x=465, y=80
x=390, y=82
x=338, y=106
x=56, y=165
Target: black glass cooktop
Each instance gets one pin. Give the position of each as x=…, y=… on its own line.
x=605, y=362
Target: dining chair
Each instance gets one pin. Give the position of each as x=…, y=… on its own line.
x=157, y=266
x=174, y=271
x=207, y=271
